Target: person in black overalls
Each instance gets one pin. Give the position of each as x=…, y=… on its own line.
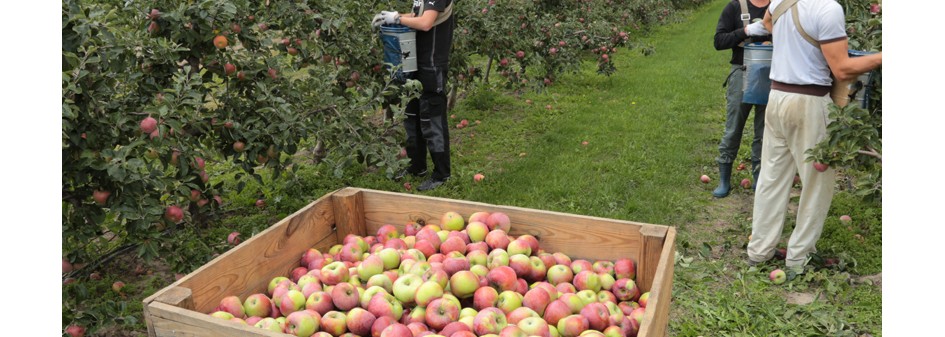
x=426, y=124
x=731, y=33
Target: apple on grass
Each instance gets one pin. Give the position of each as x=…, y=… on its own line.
x=75, y=330
x=705, y=179
x=777, y=276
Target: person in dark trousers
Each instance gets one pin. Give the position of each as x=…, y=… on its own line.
x=426, y=125
x=730, y=33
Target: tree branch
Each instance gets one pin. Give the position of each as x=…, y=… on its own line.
x=871, y=152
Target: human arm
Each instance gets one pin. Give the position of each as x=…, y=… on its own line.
x=423, y=22
x=766, y=21
x=843, y=66
x=729, y=32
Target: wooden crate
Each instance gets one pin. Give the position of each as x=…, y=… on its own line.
x=181, y=308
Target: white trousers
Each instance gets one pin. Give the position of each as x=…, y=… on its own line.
x=794, y=123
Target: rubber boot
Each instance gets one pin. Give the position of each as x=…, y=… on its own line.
x=725, y=181
x=755, y=171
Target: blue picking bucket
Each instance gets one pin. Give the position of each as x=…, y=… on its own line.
x=400, y=49
x=757, y=83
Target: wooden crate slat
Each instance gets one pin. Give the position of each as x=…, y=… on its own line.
x=576, y=235
x=172, y=321
x=278, y=248
x=656, y=318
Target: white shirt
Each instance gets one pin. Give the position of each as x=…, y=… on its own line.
x=796, y=61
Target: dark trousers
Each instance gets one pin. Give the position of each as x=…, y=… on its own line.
x=426, y=125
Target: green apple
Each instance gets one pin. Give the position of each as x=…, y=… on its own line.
x=405, y=288
x=452, y=221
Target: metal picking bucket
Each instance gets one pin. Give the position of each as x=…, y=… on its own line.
x=856, y=90
x=400, y=48
x=757, y=83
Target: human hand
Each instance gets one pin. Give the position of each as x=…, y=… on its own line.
x=756, y=29
x=386, y=17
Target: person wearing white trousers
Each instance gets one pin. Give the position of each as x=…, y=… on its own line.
x=794, y=123
x=810, y=45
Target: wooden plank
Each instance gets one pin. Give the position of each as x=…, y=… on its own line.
x=171, y=321
x=656, y=321
x=653, y=238
x=349, y=212
x=575, y=235
x=249, y=267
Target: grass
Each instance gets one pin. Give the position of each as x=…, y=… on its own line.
x=651, y=130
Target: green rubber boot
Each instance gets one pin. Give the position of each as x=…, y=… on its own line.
x=725, y=181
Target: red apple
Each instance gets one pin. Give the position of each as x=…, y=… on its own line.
x=624, y=268
x=174, y=214
x=75, y=330
x=148, y=125
x=820, y=167
x=360, y=321
x=499, y=220
x=441, y=312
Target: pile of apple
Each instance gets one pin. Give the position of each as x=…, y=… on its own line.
x=464, y=279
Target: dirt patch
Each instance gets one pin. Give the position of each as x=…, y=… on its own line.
x=800, y=298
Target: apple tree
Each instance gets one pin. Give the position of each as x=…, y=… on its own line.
x=854, y=140
x=153, y=94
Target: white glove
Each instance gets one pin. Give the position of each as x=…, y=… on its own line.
x=386, y=18
x=756, y=29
